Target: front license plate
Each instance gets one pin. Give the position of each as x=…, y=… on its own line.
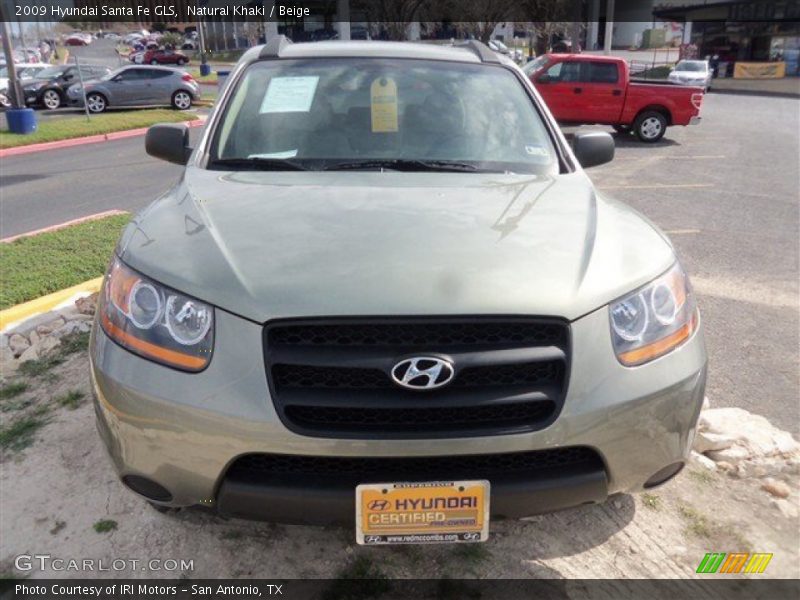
x=436, y=512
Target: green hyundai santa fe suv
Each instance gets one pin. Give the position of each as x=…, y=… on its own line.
x=385, y=293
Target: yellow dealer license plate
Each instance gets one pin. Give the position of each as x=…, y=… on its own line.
x=435, y=512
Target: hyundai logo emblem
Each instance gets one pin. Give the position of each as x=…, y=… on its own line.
x=378, y=505
x=423, y=373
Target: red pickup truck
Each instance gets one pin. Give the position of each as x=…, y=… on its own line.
x=587, y=89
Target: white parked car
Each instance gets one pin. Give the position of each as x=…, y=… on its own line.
x=25, y=71
x=692, y=72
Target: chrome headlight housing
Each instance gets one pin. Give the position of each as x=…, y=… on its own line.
x=655, y=319
x=155, y=321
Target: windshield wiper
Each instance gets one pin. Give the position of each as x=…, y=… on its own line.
x=257, y=163
x=399, y=164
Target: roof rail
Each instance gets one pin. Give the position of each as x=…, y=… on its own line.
x=274, y=47
x=482, y=51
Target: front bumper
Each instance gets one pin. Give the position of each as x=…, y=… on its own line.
x=183, y=431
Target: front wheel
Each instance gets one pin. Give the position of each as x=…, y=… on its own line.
x=181, y=100
x=51, y=99
x=96, y=103
x=650, y=126
x=154, y=62
x=181, y=62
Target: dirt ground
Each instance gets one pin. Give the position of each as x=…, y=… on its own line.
x=57, y=488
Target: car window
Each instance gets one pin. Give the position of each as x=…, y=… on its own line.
x=354, y=109
x=567, y=71
x=601, y=72
x=158, y=74
x=695, y=66
x=131, y=75
x=537, y=63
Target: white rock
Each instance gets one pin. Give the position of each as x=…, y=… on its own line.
x=788, y=508
x=703, y=461
x=754, y=435
x=49, y=327
x=66, y=329
x=34, y=338
x=733, y=455
x=31, y=353
x=706, y=403
x=3, y=340
x=84, y=326
x=48, y=344
x=706, y=440
x=18, y=344
x=8, y=364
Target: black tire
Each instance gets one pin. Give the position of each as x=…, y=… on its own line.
x=650, y=126
x=181, y=62
x=154, y=62
x=179, y=100
x=96, y=103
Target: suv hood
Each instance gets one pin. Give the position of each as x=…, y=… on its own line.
x=267, y=245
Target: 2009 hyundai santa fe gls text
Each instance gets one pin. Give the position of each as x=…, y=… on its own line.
x=384, y=292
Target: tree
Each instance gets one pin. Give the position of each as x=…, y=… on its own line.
x=392, y=16
x=548, y=18
x=482, y=16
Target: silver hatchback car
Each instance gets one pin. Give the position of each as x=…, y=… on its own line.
x=137, y=86
x=386, y=293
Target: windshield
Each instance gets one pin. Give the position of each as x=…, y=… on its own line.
x=382, y=113
x=50, y=72
x=112, y=74
x=691, y=65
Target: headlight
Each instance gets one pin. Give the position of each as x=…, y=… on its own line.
x=654, y=319
x=154, y=321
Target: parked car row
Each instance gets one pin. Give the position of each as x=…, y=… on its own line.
x=137, y=86
x=52, y=87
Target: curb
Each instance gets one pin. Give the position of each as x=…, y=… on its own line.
x=26, y=310
x=90, y=139
x=94, y=217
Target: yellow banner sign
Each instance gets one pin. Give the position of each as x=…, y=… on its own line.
x=773, y=70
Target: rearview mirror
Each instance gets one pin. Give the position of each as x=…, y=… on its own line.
x=592, y=149
x=169, y=142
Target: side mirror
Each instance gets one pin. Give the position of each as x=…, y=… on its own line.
x=169, y=142
x=543, y=78
x=592, y=149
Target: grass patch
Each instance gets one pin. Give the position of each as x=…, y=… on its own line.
x=51, y=130
x=696, y=523
x=360, y=578
x=651, y=501
x=38, y=367
x=105, y=525
x=38, y=265
x=12, y=390
x=704, y=476
x=74, y=342
x=72, y=399
x=21, y=433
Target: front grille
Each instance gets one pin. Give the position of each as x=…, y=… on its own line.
x=332, y=378
x=351, y=471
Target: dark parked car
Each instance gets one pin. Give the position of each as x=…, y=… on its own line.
x=165, y=57
x=49, y=87
x=138, y=86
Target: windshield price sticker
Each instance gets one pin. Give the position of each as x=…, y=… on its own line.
x=422, y=513
x=289, y=94
x=383, y=105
